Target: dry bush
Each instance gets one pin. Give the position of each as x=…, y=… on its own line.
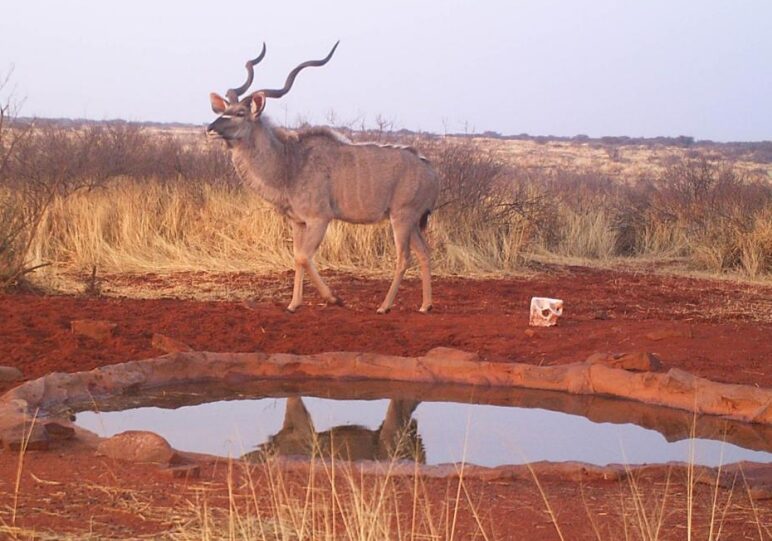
x=579, y=220
x=723, y=215
x=130, y=150
x=36, y=166
x=697, y=191
x=13, y=235
x=44, y=164
x=485, y=214
x=707, y=213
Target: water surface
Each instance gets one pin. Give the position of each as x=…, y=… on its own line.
x=448, y=431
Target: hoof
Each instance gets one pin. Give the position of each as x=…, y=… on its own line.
x=426, y=310
x=291, y=309
x=335, y=301
x=383, y=310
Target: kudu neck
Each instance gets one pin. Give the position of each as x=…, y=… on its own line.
x=259, y=160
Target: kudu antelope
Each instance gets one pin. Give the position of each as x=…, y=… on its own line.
x=396, y=438
x=314, y=176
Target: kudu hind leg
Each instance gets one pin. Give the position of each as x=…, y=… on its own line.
x=297, y=419
x=394, y=434
x=402, y=243
x=418, y=243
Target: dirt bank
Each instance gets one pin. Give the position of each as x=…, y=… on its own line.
x=715, y=329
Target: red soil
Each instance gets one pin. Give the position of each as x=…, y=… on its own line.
x=102, y=498
x=716, y=329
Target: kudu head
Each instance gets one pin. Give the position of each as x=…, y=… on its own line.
x=238, y=115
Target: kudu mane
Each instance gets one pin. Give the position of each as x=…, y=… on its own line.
x=301, y=135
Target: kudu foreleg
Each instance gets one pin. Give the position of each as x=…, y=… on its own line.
x=297, y=289
x=306, y=239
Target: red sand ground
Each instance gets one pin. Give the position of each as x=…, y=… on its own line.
x=716, y=329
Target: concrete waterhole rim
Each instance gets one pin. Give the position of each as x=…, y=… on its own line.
x=49, y=400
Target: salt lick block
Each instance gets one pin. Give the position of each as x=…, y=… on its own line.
x=545, y=311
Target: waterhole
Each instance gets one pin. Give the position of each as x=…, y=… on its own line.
x=435, y=424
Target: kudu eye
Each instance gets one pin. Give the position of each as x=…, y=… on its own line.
x=241, y=113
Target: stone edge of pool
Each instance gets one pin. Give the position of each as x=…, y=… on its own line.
x=36, y=412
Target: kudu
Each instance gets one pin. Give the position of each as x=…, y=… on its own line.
x=396, y=438
x=314, y=176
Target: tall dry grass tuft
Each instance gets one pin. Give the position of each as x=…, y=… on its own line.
x=150, y=226
x=327, y=500
x=587, y=235
x=755, y=245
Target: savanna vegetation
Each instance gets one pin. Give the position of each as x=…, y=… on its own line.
x=117, y=197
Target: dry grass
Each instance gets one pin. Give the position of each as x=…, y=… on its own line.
x=330, y=501
x=333, y=500
x=622, y=163
x=124, y=199
x=130, y=226
x=323, y=500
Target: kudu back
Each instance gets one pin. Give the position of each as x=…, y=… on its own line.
x=317, y=175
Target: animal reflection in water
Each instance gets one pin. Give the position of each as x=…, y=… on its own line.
x=396, y=438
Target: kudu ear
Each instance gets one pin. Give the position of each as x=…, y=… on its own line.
x=218, y=103
x=257, y=103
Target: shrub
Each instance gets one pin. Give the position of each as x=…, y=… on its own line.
x=485, y=213
x=724, y=215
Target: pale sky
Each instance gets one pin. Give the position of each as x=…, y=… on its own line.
x=564, y=67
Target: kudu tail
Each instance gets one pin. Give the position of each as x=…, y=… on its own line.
x=424, y=220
